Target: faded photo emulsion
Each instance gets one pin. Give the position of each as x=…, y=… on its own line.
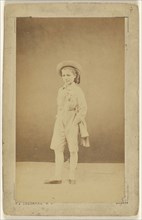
x=70, y=110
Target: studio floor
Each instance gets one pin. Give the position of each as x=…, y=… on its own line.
x=96, y=182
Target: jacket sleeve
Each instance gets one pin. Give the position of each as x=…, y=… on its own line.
x=81, y=108
x=59, y=103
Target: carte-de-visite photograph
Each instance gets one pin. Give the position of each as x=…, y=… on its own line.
x=70, y=110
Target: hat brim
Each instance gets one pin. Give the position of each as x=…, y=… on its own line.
x=69, y=63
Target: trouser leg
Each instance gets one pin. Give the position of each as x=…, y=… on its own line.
x=73, y=164
x=59, y=161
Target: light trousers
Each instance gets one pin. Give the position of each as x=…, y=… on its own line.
x=59, y=161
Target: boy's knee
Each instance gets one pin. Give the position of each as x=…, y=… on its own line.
x=74, y=153
x=58, y=151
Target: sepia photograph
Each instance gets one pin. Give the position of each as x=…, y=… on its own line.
x=72, y=109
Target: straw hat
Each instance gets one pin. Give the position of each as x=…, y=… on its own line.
x=69, y=63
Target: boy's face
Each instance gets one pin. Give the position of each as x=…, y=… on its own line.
x=68, y=76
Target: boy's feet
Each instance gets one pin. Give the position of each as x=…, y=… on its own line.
x=72, y=181
x=53, y=182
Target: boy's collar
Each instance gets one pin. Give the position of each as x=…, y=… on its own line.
x=68, y=86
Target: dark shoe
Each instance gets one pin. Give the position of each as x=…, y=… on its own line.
x=72, y=181
x=53, y=182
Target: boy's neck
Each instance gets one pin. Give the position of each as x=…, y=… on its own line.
x=68, y=85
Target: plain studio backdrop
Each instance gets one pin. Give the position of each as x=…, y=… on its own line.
x=97, y=44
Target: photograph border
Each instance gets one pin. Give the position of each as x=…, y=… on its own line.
x=130, y=203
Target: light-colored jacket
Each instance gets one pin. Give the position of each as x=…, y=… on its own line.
x=73, y=99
